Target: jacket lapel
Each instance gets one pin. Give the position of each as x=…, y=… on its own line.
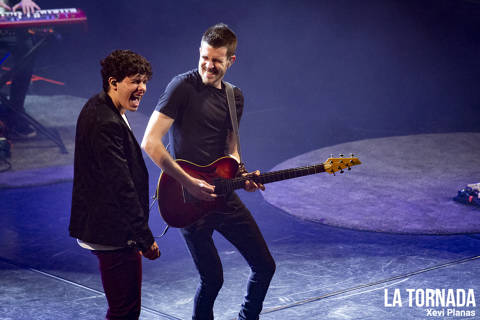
x=132, y=140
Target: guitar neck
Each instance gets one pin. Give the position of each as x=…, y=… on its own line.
x=228, y=185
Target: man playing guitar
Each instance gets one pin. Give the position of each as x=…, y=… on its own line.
x=194, y=105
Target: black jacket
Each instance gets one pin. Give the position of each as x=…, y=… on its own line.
x=110, y=183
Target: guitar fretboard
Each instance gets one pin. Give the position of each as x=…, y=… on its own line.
x=229, y=185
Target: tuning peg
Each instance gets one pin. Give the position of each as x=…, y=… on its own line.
x=341, y=155
x=348, y=168
x=352, y=155
x=331, y=155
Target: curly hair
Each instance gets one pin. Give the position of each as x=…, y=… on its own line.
x=220, y=35
x=123, y=63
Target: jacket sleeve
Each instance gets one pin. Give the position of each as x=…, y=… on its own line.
x=110, y=151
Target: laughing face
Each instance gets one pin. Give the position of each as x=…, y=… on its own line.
x=213, y=64
x=127, y=94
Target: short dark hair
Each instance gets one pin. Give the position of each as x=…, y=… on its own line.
x=123, y=63
x=220, y=35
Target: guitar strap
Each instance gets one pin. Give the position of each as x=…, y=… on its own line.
x=233, y=117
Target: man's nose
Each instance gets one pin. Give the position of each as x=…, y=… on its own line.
x=210, y=65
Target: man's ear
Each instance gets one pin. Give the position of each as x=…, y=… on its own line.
x=113, y=83
x=231, y=60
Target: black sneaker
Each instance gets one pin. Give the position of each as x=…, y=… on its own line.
x=24, y=130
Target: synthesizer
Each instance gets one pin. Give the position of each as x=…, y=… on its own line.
x=41, y=18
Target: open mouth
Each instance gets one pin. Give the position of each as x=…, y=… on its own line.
x=135, y=99
x=211, y=72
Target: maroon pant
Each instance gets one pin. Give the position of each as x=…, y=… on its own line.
x=121, y=272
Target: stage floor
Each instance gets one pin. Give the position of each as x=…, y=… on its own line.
x=323, y=272
x=405, y=184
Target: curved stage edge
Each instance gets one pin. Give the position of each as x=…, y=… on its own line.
x=405, y=184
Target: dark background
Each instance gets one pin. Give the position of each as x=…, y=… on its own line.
x=314, y=73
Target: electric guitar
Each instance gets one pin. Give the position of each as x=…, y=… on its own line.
x=180, y=209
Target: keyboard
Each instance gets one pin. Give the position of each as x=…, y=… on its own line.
x=41, y=18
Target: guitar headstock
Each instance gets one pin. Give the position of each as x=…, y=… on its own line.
x=333, y=165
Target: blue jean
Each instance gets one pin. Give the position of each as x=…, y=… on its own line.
x=237, y=225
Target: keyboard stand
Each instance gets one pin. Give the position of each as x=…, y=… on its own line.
x=51, y=134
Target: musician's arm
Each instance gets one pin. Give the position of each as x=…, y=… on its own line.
x=232, y=150
x=157, y=128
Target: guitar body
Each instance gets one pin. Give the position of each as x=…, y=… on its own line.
x=178, y=208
